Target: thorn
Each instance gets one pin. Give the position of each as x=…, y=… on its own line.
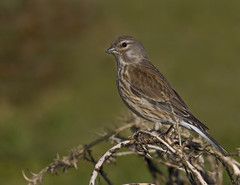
x=25, y=176
x=33, y=174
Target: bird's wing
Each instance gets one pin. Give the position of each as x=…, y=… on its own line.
x=149, y=83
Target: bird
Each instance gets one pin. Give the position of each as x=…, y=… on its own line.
x=147, y=93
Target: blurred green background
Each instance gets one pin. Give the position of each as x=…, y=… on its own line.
x=57, y=86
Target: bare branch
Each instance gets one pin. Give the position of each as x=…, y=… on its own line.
x=107, y=155
x=189, y=159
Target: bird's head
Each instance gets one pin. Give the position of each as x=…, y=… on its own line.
x=127, y=49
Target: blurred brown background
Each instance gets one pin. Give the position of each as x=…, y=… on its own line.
x=57, y=86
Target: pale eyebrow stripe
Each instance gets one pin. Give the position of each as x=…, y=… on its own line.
x=127, y=41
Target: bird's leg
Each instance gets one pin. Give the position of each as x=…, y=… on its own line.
x=179, y=135
x=174, y=117
x=177, y=129
x=178, y=132
x=157, y=126
x=168, y=130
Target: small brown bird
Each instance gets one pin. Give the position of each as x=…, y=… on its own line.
x=147, y=93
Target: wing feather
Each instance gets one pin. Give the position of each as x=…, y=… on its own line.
x=149, y=83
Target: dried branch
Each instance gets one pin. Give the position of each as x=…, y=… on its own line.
x=189, y=159
x=100, y=170
x=106, y=156
x=75, y=155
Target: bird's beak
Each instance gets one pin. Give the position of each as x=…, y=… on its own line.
x=112, y=50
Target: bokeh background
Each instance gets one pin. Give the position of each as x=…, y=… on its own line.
x=57, y=85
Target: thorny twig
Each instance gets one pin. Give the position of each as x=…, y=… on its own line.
x=100, y=170
x=71, y=160
x=187, y=163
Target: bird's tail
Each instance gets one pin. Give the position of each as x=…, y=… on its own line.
x=206, y=135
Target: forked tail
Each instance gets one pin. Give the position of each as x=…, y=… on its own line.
x=206, y=135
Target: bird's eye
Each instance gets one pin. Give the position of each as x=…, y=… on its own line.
x=124, y=44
